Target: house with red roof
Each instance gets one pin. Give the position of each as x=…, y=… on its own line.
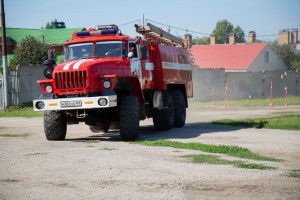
x=236, y=57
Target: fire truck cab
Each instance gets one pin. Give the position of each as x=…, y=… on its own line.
x=108, y=77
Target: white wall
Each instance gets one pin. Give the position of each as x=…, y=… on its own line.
x=242, y=85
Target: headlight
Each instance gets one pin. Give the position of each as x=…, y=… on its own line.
x=40, y=105
x=49, y=89
x=106, y=84
x=102, y=102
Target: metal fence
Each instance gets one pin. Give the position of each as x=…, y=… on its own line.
x=1, y=92
x=13, y=89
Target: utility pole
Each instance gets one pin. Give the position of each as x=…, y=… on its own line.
x=142, y=20
x=4, y=56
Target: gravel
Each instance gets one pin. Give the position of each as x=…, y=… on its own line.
x=34, y=168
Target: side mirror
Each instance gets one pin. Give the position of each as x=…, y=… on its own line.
x=51, y=54
x=137, y=40
x=130, y=54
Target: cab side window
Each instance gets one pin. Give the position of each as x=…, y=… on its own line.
x=145, y=51
x=132, y=48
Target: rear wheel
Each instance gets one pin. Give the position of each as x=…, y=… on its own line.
x=55, y=125
x=129, y=119
x=164, y=119
x=179, y=109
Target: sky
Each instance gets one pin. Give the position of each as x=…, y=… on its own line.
x=266, y=17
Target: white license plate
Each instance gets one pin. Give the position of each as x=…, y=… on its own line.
x=66, y=104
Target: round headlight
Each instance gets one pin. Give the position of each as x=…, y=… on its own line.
x=49, y=89
x=40, y=105
x=102, y=102
x=106, y=84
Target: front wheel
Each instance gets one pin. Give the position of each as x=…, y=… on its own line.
x=55, y=125
x=129, y=119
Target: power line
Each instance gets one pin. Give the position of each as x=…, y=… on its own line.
x=197, y=32
x=129, y=22
x=267, y=35
x=181, y=29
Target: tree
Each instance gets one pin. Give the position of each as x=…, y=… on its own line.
x=240, y=35
x=53, y=24
x=31, y=52
x=203, y=40
x=288, y=54
x=222, y=30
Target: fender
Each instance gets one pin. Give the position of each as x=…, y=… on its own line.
x=130, y=83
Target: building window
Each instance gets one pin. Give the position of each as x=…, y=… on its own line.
x=267, y=60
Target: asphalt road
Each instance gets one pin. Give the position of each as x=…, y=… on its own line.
x=33, y=168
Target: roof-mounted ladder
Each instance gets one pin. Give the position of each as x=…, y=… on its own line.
x=154, y=33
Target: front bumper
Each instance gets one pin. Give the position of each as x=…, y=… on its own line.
x=75, y=103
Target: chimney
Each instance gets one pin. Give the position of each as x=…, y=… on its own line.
x=212, y=39
x=231, y=38
x=188, y=40
x=284, y=36
x=294, y=36
x=252, y=37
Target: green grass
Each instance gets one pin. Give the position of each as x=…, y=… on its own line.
x=247, y=102
x=25, y=110
x=285, y=122
x=211, y=159
x=252, y=166
x=235, y=151
x=92, y=141
x=14, y=135
x=294, y=173
x=108, y=149
x=35, y=154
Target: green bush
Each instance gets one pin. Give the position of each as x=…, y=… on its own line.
x=31, y=52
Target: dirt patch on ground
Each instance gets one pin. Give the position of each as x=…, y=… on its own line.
x=34, y=168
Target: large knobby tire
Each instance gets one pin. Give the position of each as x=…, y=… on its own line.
x=129, y=118
x=55, y=125
x=103, y=127
x=164, y=119
x=179, y=109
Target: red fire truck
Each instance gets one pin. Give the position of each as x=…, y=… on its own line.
x=108, y=77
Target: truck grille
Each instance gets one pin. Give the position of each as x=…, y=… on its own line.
x=71, y=80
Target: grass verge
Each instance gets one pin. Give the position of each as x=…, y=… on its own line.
x=25, y=110
x=108, y=149
x=284, y=122
x=211, y=159
x=92, y=141
x=14, y=135
x=294, y=173
x=224, y=149
x=35, y=154
x=293, y=100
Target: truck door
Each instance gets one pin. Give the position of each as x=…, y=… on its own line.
x=135, y=64
x=147, y=66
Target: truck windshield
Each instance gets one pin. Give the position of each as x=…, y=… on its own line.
x=78, y=51
x=111, y=49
